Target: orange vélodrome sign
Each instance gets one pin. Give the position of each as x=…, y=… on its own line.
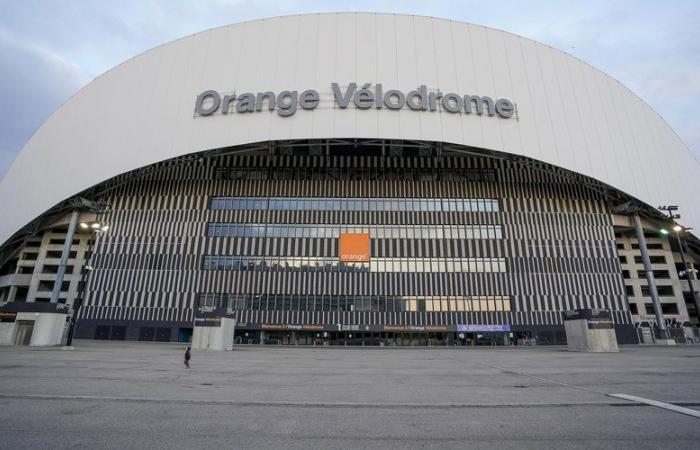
x=354, y=247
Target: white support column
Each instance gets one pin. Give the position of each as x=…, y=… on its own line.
x=64, y=257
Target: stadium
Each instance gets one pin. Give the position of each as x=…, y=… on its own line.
x=353, y=179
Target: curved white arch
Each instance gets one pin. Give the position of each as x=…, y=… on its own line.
x=141, y=112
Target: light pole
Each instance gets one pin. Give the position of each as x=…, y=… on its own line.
x=688, y=272
x=76, y=305
x=96, y=228
x=677, y=229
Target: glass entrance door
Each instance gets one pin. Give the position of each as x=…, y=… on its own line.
x=23, y=332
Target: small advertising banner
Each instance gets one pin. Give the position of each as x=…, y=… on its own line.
x=354, y=247
x=8, y=316
x=597, y=319
x=207, y=321
x=484, y=328
x=210, y=317
x=292, y=327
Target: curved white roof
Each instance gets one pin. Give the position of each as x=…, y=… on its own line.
x=142, y=111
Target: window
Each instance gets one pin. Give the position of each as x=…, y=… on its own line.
x=375, y=231
x=62, y=241
x=356, y=303
x=633, y=308
x=650, y=246
x=354, y=204
x=353, y=173
x=658, y=274
x=331, y=264
x=57, y=254
x=47, y=285
x=654, y=259
x=51, y=268
x=629, y=290
x=666, y=308
x=663, y=291
x=30, y=256
x=21, y=294
x=669, y=308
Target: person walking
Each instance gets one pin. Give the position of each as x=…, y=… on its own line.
x=187, y=357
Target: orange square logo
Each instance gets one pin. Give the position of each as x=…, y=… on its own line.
x=354, y=247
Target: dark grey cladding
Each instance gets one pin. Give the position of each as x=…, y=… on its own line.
x=558, y=241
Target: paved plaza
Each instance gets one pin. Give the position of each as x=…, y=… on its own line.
x=136, y=395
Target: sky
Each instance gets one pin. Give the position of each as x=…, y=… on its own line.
x=50, y=49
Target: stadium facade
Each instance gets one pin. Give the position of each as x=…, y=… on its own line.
x=353, y=178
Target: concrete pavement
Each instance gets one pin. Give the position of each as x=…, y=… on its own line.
x=133, y=395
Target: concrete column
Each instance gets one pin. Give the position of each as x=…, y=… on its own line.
x=48, y=329
x=64, y=257
x=12, y=294
x=214, y=337
x=660, y=322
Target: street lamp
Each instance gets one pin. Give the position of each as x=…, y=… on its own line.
x=97, y=228
x=688, y=272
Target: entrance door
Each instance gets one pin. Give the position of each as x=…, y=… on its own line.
x=163, y=334
x=118, y=333
x=146, y=333
x=184, y=335
x=23, y=332
x=102, y=332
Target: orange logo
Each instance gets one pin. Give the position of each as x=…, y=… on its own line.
x=354, y=247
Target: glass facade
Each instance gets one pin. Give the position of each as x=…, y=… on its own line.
x=376, y=231
x=454, y=241
x=266, y=302
x=356, y=204
x=318, y=264
x=375, y=173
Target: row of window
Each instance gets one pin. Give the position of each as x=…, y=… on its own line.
x=650, y=246
x=268, y=302
x=666, y=308
x=375, y=231
x=354, y=173
x=356, y=204
x=658, y=274
x=51, y=254
x=47, y=285
x=320, y=264
x=663, y=291
x=653, y=259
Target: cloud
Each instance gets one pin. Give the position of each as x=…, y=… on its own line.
x=34, y=83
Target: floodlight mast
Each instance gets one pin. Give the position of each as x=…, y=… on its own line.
x=96, y=228
x=677, y=229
